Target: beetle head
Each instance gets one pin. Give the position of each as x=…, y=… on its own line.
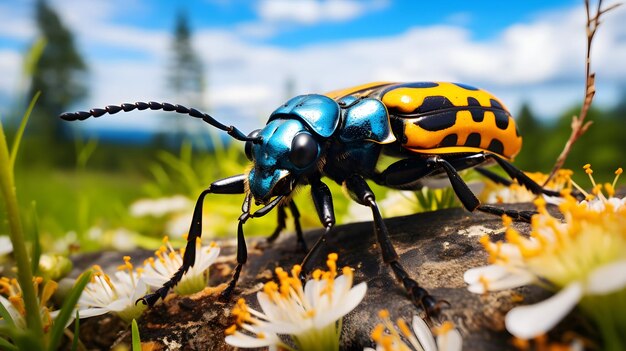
x=288, y=151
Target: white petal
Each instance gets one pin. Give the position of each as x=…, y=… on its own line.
x=15, y=314
x=120, y=305
x=607, y=279
x=450, y=341
x=527, y=322
x=54, y=315
x=246, y=341
x=498, y=278
x=424, y=334
x=153, y=280
x=5, y=245
x=140, y=291
x=491, y=272
x=92, y=312
x=348, y=303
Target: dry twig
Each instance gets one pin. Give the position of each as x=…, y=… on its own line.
x=579, y=127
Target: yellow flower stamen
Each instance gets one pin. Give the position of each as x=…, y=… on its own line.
x=231, y=330
x=444, y=328
x=404, y=328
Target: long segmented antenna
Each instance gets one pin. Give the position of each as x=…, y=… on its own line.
x=127, y=107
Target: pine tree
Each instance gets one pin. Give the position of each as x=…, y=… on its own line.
x=59, y=74
x=186, y=73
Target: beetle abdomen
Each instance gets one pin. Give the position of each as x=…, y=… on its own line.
x=439, y=117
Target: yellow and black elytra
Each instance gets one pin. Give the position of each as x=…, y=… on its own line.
x=441, y=117
x=435, y=129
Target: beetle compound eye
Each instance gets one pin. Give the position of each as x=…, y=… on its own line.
x=304, y=150
x=248, y=147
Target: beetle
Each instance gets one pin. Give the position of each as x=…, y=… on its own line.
x=434, y=129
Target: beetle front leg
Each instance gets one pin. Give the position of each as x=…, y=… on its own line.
x=362, y=194
x=242, y=250
x=230, y=185
x=323, y=201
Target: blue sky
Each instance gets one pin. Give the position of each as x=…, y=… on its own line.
x=519, y=50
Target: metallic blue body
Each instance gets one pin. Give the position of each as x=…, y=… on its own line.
x=361, y=126
x=318, y=112
x=271, y=157
x=365, y=119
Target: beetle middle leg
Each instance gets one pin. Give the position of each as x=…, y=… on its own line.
x=282, y=222
x=362, y=194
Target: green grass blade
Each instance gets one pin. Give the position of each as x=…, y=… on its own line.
x=4, y=313
x=33, y=55
x=36, y=252
x=20, y=131
x=135, y=336
x=76, y=331
x=66, y=310
x=85, y=151
x=6, y=345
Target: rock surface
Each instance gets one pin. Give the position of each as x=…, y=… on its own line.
x=436, y=248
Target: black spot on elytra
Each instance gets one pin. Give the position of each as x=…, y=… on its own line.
x=449, y=140
x=496, y=146
x=502, y=119
x=434, y=103
x=465, y=86
x=495, y=104
x=472, y=101
x=478, y=114
x=439, y=121
x=473, y=140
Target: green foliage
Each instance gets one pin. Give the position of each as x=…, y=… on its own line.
x=16, y=232
x=435, y=199
x=136, y=339
x=601, y=146
x=33, y=337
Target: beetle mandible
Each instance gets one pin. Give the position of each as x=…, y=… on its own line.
x=434, y=128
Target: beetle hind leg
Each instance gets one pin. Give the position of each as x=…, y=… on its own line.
x=362, y=194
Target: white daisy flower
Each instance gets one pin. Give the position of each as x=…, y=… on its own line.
x=12, y=300
x=515, y=193
x=103, y=294
x=421, y=338
x=310, y=316
x=5, y=245
x=160, y=207
x=168, y=261
x=582, y=258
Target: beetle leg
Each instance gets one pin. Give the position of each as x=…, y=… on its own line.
x=362, y=194
x=230, y=185
x=281, y=219
x=522, y=178
x=242, y=250
x=323, y=201
x=470, y=201
x=496, y=178
x=296, y=222
x=282, y=216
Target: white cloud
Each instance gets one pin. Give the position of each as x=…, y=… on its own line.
x=15, y=22
x=539, y=61
x=312, y=11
